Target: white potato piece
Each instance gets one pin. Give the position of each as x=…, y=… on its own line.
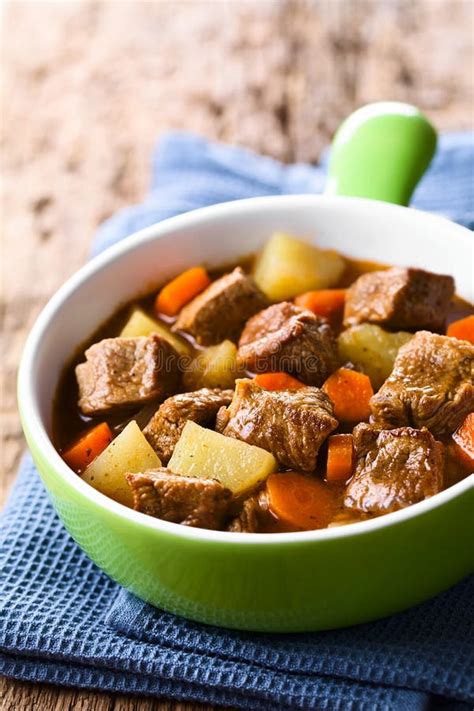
x=373, y=349
x=207, y=454
x=128, y=452
x=288, y=266
x=213, y=367
x=140, y=324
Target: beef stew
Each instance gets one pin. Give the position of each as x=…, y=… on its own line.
x=292, y=391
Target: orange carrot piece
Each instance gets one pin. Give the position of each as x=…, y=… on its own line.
x=350, y=393
x=340, y=457
x=303, y=502
x=278, y=381
x=88, y=447
x=464, y=441
x=462, y=329
x=180, y=290
x=328, y=303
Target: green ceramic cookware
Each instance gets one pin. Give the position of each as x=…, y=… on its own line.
x=281, y=582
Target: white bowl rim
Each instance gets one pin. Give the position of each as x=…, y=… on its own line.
x=33, y=423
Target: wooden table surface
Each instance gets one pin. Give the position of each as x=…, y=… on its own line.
x=89, y=87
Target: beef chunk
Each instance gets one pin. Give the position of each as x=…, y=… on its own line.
x=287, y=338
x=220, y=312
x=394, y=469
x=123, y=372
x=431, y=385
x=400, y=298
x=203, y=503
x=291, y=424
x=165, y=427
x=253, y=511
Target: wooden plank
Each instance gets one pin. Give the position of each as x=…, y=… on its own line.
x=85, y=99
x=16, y=696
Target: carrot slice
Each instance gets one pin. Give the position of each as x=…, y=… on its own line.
x=328, y=303
x=278, y=381
x=180, y=290
x=350, y=393
x=303, y=502
x=88, y=447
x=462, y=329
x=340, y=457
x=464, y=441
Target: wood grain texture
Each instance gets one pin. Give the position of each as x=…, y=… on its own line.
x=89, y=86
x=16, y=696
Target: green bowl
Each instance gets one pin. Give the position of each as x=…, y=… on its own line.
x=270, y=582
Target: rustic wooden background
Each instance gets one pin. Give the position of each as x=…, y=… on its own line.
x=89, y=86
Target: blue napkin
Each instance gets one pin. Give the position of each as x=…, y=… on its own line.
x=63, y=621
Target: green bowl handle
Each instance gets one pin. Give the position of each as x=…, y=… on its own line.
x=380, y=152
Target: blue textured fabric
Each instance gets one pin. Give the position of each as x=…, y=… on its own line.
x=63, y=621
x=190, y=172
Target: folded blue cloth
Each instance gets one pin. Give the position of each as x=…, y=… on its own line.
x=63, y=621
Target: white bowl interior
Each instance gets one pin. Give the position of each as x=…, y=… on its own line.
x=357, y=228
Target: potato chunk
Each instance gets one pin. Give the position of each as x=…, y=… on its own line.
x=236, y=465
x=373, y=349
x=288, y=266
x=140, y=324
x=129, y=452
x=213, y=367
